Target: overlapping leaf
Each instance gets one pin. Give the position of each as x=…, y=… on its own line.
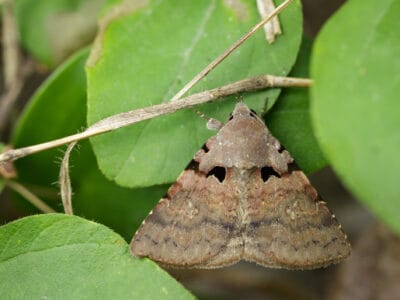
x=289, y=119
x=64, y=257
x=356, y=106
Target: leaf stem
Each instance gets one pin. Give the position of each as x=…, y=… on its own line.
x=32, y=198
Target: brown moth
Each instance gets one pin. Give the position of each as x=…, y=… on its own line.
x=242, y=198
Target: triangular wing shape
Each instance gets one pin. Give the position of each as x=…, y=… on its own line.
x=194, y=225
x=289, y=227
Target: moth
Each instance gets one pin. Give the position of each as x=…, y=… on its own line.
x=242, y=197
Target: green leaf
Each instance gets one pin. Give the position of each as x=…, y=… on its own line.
x=57, y=256
x=53, y=29
x=58, y=109
x=53, y=112
x=355, y=101
x=289, y=119
x=149, y=51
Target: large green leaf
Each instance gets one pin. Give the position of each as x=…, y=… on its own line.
x=57, y=109
x=52, y=29
x=289, y=119
x=356, y=107
x=57, y=256
x=147, y=52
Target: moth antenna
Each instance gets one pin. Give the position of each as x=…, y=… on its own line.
x=212, y=124
x=265, y=108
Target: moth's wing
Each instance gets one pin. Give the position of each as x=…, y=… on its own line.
x=289, y=227
x=194, y=225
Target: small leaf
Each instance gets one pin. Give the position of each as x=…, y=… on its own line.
x=148, y=51
x=53, y=29
x=289, y=119
x=355, y=101
x=65, y=257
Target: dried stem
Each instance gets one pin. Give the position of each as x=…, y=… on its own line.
x=32, y=198
x=232, y=48
x=271, y=28
x=11, y=54
x=131, y=117
x=14, y=71
x=65, y=182
x=10, y=96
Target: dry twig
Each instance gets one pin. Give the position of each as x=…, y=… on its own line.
x=14, y=71
x=272, y=28
x=134, y=116
x=65, y=181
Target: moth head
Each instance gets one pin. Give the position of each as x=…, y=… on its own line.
x=241, y=110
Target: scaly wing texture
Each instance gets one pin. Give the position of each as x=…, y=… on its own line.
x=289, y=227
x=195, y=225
